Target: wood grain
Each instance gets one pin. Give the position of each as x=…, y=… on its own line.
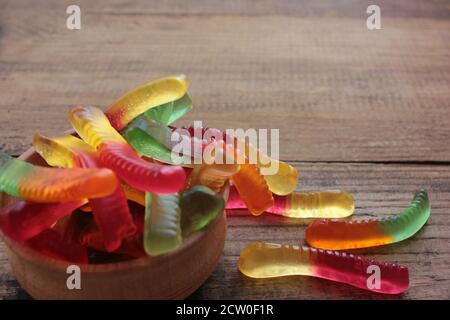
x=379, y=190
x=351, y=94
x=366, y=111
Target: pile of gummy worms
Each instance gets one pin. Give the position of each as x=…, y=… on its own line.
x=117, y=186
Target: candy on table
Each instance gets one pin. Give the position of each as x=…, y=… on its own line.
x=145, y=97
x=199, y=207
x=23, y=220
x=47, y=185
x=171, y=111
x=339, y=235
x=266, y=260
x=115, y=153
x=253, y=189
x=324, y=204
x=111, y=212
x=52, y=244
x=162, y=230
x=284, y=181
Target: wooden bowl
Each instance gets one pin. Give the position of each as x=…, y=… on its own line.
x=171, y=276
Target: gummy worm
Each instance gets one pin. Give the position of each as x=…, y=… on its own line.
x=111, y=213
x=339, y=235
x=52, y=244
x=171, y=111
x=199, y=207
x=93, y=126
x=145, y=97
x=253, y=189
x=267, y=260
x=162, y=230
x=39, y=184
x=324, y=204
x=23, y=220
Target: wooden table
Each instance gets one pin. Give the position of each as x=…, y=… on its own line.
x=361, y=110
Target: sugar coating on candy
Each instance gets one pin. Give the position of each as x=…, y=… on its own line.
x=253, y=189
x=324, y=204
x=199, y=207
x=340, y=235
x=267, y=260
x=162, y=231
x=145, y=97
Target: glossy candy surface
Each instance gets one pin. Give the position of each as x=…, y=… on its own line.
x=92, y=125
x=217, y=170
x=162, y=231
x=52, y=244
x=281, y=182
x=325, y=204
x=339, y=235
x=131, y=246
x=145, y=144
x=23, y=220
x=47, y=185
x=171, y=111
x=199, y=207
x=253, y=189
x=267, y=260
x=111, y=212
x=145, y=97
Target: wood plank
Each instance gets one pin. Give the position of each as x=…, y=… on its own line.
x=337, y=91
x=379, y=190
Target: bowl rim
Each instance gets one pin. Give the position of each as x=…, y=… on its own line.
x=35, y=257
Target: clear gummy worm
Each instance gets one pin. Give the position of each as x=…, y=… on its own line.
x=341, y=235
x=268, y=260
